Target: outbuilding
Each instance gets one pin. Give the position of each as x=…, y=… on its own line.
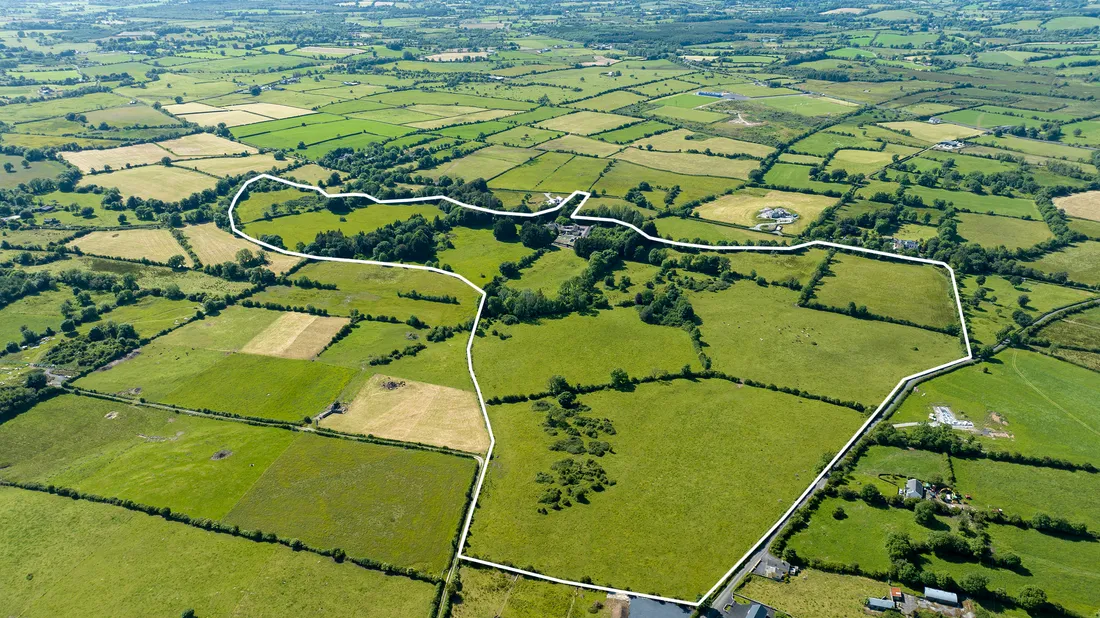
x=880, y=605
x=941, y=596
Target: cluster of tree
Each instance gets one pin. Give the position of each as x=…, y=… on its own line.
x=15, y=284
x=410, y=240
x=16, y=398
x=102, y=344
x=1050, y=131
x=668, y=307
x=435, y=298
x=409, y=350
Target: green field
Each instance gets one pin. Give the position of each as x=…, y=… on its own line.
x=303, y=228
x=373, y=290
x=62, y=555
x=1080, y=261
x=198, y=366
x=994, y=311
x=489, y=592
x=391, y=504
x=759, y=333
x=996, y=231
x=611, y=339
x=1045, y=402
x=917, y=293
x=659, y=428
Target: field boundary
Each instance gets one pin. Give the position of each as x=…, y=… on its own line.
x=871, y=419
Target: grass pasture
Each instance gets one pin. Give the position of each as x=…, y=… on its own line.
x=994, y=231
x=490, y=592
x=1043, y=404
x=657, y=426
x=157, y=245
x=918, y=293
x=1080, y=261
x=389, y=503
x=304, y=227
x=373, y=290
x=525, y=361
x=758, y=333
x=68, y=545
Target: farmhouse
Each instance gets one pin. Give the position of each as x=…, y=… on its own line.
x=913, y=489
x=951, y=144
x=778, y=214
x=900, y=244
x=568, y=234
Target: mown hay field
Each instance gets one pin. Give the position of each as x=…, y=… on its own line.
x=167, y=183
x=689, y=163
x=1083, y=205
x=743, y=206
x=117, y=158
x=214, y=245
x=204, y=145
x=413, y=411
x=586, y=123
x=684, y=140
x=157, y=245
x=295, y=335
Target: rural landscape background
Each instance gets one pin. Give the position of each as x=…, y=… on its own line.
x=523, y=310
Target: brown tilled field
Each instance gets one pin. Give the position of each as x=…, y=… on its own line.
x=295, y=335
x=157, y=245
x=402, y=409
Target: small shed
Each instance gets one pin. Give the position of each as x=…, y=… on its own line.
x=880, y=605
x=941, y=596
x=896, y=595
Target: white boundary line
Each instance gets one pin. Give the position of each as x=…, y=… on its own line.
x=481, y=306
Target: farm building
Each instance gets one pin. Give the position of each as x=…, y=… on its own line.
x=941, y=596
x=880, y=605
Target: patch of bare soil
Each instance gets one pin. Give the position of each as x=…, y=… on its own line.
x=111, y=415
x=741, y=120
x=220, y=455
